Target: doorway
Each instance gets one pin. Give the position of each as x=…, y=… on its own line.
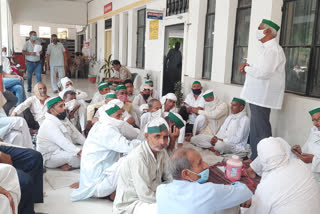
x=107, y=43
x=172, y=66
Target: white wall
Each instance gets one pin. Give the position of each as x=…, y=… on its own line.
x=59, y=12
x=20, y=40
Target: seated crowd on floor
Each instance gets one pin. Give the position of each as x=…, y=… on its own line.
x=141, y=151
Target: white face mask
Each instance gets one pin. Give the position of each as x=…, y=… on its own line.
x=71, y=104
x=156, y=114
x=4, y=53
x=260, y=34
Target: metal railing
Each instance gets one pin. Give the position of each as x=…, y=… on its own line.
x=175, y=7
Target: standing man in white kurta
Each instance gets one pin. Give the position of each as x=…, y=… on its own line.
x=265, y=83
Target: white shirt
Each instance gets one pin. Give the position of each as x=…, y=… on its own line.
x=312, y=146
x=97, y=97
x=193, y=102
x=139, y=100
x=140, y=175
x=187, y=197
x=235, y=131
x=55, y=135
x=265, y=80
x=6, y=65
x=38, y=110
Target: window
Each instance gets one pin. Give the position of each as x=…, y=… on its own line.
x=240, y=49
x=45, y=32
x=300, y=39
x=141, y=38
x=175, y=7
x=62, y=33
x=25, y=30
x=208, y=40
x=108, y=24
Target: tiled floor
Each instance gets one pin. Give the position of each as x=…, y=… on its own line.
x=58, y=201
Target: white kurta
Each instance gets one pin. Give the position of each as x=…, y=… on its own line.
x=10, y=182
x=101, y=151
x=38, y=110
x=15, y=130
x=312, y=146
x=213, y=116
x=139, y=100
x=133, y=95
x=290, y=188
x=234, y=132
x=140, y=175
x=265, y=80
x=58, y=137
x=193, y=102
x=97, y=97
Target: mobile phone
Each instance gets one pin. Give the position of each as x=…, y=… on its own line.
x=296, y=150
x=172, y=128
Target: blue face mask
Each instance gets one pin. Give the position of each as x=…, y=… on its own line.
x=204, y=176
x=34, y=38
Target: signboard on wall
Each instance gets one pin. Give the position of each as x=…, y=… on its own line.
x=154, y=29
x=155, y=15
x=108, y=8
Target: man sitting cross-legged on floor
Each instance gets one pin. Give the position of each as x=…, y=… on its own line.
x=190, y=192
x=101, y=155
x=57, y=136
x=36, y=104
x=143, y=171
x=211, y=118
x=233, y=135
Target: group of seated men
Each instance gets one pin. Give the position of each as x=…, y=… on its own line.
x=129, y=146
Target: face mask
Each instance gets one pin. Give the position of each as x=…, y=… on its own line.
x=204, y=176
x=123, y=98
x=70, y=88
x=146, y=96
x=71, y=104
x=156, y=114
x=62, y=116
x=43, y=94
x=260, y=34
x=4, y=53
x=34, y=38
x=196, y=91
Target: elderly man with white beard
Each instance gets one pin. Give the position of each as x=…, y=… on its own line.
x=101, y=155
x=213, y=115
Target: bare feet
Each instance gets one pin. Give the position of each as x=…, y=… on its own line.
x=112, y=196
x=213, y=150
x=75, y=185
x=188, y=137
x=65, y=167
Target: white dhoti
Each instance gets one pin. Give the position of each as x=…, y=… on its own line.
x=10, y=182
x=145, y=208
x=233, y=210
x=109, y=184
x=199, y=124
x=17, y=132
x=202, y=141
x=60, y=158
x=82, y=114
